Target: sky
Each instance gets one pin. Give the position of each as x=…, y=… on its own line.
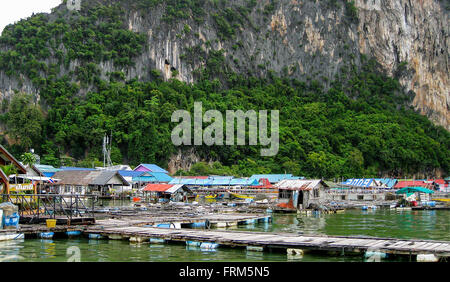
x=13, y=10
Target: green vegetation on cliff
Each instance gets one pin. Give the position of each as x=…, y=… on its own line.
x=358, y=127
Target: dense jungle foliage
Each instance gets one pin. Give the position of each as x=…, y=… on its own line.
x=358, y=127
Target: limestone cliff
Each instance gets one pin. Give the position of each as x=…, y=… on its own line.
x=305, y=39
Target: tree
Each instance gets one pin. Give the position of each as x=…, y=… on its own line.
x=24, y=120
x=28, y=159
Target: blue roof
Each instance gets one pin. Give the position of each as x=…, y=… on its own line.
x=48, y=174
x=146, y=176
x=360, y=182
x=161, y=176
x=130, y=173
x=216, y=181
x=273, y=178
x=390, y=182
x=153, y=168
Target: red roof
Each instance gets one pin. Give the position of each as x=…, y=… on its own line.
x=438, y=181
x=263, y=183
x=415, y=183
x=157, y=187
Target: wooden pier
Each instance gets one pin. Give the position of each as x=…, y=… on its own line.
x=265, y=241
x=210, y=220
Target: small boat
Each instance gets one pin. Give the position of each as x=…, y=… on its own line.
x=214, y=197
x=239, y=196
x=11, y=236
x=442, y=200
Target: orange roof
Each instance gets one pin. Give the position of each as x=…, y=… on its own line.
x=157, y=187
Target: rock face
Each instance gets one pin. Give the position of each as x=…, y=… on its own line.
x=304, y=39
x=415, y=32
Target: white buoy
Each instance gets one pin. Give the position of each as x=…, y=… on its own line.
x=427, y=258
x=295, y=252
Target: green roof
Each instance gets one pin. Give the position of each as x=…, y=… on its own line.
x=409, y=190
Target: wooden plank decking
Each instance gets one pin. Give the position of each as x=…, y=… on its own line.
x=277, y=240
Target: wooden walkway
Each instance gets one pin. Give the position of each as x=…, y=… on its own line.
x=215, y=220
x=280, y=241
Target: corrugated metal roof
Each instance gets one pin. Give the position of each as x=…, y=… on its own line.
x=418, y=183
x=130, y=173
x=389, y=182
x=192, y=177
x=360, y=182
x=157, y=187
x=46, y=168
x=152, y=168
x=166, y=188
x=103, y=177
x=84, y=177
x=76, y=168
x=161, y=176
x=274, y=178
x=174, y=188
x=300, y=184
x=216, y=181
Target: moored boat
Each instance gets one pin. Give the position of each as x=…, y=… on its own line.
x=11, y=236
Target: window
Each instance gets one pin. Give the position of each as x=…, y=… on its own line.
x=316, y=193
x=78, y=189
x=285, y=194
x=67, y=189
x=360, y=197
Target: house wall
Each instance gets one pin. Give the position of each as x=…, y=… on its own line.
x=71, y=190
x=115, y=180
x=357, y=197
x=308, y=198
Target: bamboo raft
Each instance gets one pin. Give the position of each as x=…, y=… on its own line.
x=264, y=241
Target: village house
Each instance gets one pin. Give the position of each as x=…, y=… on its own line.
x=167, y=192
x=139, y=179
x=102, y=183
x=301, y=194
x=6, y=186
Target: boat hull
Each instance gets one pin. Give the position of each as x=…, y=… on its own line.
x=11, y=236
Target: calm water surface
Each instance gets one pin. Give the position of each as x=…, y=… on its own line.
x=380, y=223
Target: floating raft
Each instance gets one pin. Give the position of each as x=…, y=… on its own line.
x=280, y=241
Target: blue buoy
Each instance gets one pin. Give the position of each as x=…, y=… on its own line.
x=209, y=246
x=95, y=236
x=193, y=243
x=198, y=224
x=157, y=241
x=46, y=235
x=73, y=233
x=364, y=208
